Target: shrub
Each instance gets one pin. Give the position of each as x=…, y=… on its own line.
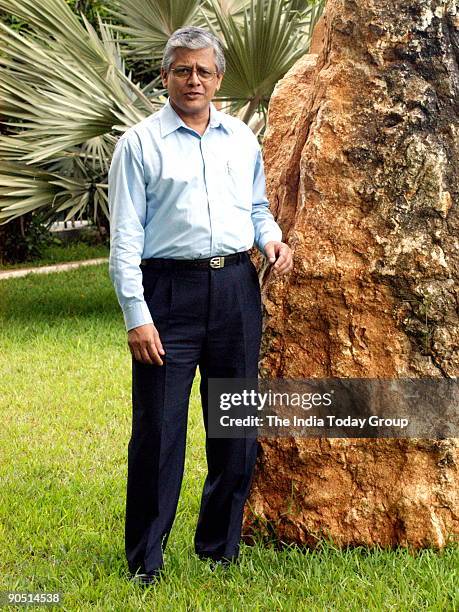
x=23, y=239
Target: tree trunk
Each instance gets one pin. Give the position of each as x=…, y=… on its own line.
x=362, y=158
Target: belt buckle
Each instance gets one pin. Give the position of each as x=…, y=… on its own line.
x=217, y=262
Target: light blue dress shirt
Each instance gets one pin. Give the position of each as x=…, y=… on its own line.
x=176, y=194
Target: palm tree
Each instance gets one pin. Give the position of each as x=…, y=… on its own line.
x=67, y=95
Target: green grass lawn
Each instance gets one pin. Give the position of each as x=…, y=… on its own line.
x=65, y=402
x=60, y=253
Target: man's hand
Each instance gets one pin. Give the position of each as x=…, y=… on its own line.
x=145, y=344
x=281, y=254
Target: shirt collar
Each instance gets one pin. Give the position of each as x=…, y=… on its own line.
x=170, y=121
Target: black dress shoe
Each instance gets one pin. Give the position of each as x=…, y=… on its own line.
x=148, y=578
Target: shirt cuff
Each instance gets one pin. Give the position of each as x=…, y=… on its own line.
x=136, y=314
x=272, y=235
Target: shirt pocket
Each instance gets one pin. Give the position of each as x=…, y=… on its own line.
x=238, y=181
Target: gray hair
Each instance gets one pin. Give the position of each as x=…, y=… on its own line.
x=191, y=37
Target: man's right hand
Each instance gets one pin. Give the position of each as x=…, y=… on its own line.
x=145, y=344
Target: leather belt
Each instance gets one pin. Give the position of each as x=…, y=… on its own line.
x=214, y=263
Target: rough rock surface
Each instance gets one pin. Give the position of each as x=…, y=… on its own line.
x=362, y=158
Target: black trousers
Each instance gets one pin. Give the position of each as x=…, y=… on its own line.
x=211, y=319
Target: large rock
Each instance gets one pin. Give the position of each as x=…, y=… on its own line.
x=362, y=158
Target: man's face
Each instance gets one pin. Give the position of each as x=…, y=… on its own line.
x=191, y=96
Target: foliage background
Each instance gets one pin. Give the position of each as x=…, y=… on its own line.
x=74, y=74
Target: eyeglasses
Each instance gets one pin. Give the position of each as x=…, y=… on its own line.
x=184, y=72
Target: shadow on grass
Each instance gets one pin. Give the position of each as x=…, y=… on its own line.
x=48, y=298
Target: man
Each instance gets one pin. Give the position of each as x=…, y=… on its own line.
x=187, y=201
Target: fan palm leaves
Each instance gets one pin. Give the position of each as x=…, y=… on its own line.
x=67, y=96
x=229, y=7
x=24, y=189
x=64, y=90
x=149, y=23
x=258, y=52
x=53, y=20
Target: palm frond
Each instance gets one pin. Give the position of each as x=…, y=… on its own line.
x=65, y=91
x=54, y=20
x=258, y=52
x=24, y=188
x=97, y=153
x=149, y=23
x=235, y=8
x=57, y=97
x=309, y=15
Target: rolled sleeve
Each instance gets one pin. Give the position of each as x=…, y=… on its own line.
x=266, y=228
x=127, y=204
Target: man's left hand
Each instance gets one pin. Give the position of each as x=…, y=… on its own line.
x=279, y=254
